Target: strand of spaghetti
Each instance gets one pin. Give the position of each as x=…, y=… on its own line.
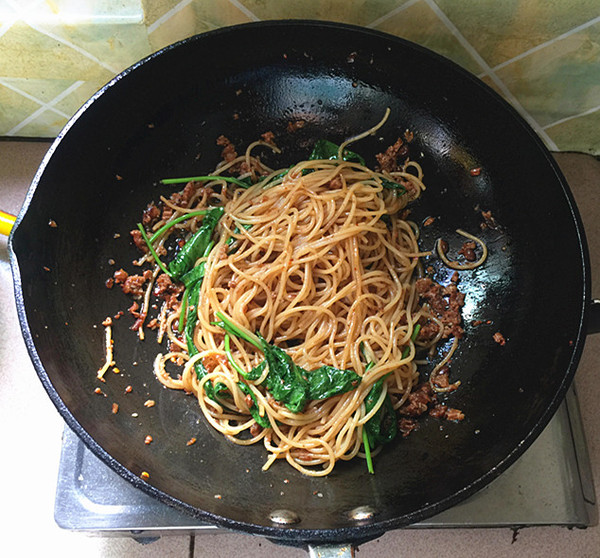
x=439, y=366
x=364, y=134
x=319, y=262
x=457, y=265
x=146, y=303
x=108, y=348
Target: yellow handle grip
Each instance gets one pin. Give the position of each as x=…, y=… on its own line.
x=6, y=223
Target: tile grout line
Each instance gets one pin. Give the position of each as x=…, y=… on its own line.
x=487, y=70
x=45, y=107
x=17, y=16
x=168, y=15
x=244, y=10
x=392, y=13
x=567, y=118
x=548, y=43
x=71, y=45
x=8, y=85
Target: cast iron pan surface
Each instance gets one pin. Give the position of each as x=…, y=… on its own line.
x=160, y=119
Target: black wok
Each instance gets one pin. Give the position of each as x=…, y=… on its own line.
x=161, y=118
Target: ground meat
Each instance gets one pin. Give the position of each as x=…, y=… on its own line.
x=120, y=276
x=295, y=125
x=439, y=411
x=499, y=338
x=138, y=240
x=336, y=182
x=446, y=303
x=255, y=429
x=269, y=137
x=406, y=426
x=428, y=331
x=151, y=215
x=488, y=221
x=454, y=414
x=163, y=285
x=188, y=192
x=441, y=378
x=392, y=159
x=210, y=362
x=134, y=285
x=418, y=401
x=468, y=251
x=228, y=153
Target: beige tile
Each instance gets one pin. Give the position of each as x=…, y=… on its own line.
x=155, y=9
x=578, y=134
x=73, y=101
x=500, y=30
x=359, y=12
x=45, y=125
x=27, y=53
x=14, y=108
x=42, y=89
x=559, y=80
x=116, y=45
x=197, y=17
x=420, y=24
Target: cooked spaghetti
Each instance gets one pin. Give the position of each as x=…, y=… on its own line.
x=297, y=321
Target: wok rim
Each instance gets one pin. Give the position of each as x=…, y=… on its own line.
x=288, y=534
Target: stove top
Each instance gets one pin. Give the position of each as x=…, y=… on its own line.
x=551, y=484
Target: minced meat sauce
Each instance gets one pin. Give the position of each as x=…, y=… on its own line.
x=446, y=303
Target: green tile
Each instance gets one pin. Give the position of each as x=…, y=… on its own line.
x=46, y=125
x=27, y=53
x=14, y=108
x=559, y=80
x=42, y=89
x=155, y=9
x=420, y=24
x=578, y=134
x=115, y=45
x=73, y=101
x=502, y=29
x=197, y=17
x=359, y=12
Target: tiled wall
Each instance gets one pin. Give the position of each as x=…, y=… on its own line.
x=543, y=56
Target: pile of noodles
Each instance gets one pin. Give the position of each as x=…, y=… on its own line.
x=321, y=263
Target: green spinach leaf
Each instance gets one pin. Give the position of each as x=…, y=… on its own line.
x=325, y=149
x=285, y=380
x=327, y=381
x=254, y=410
x=196, y=245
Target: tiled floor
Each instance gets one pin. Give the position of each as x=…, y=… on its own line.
x=30, y=433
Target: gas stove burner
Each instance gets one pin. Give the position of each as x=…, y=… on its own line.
x=551, y=484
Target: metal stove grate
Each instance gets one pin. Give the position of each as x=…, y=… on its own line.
x=550, y=484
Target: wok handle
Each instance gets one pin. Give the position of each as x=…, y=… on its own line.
x=331, y=551
x=594, y=317
x=6, y=222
